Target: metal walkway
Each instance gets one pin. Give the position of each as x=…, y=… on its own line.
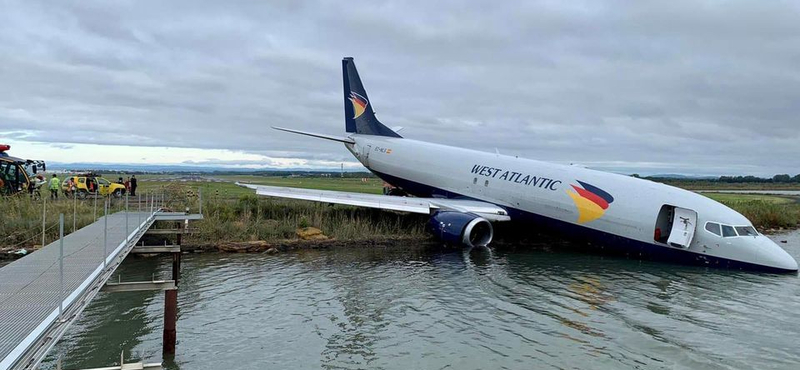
x=35, y=310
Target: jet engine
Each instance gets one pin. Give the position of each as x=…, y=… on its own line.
x=467, y=229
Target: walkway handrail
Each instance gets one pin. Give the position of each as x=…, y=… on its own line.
x=12, y=358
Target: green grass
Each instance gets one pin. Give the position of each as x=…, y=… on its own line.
x=21, y=218
x=715, y=185
x=234, y=213
x=732, y=198
x=229, y=190
x=250, y=218
x=231, y=214
x=764, y=211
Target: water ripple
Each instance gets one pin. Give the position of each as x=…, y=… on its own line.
x=393, y=309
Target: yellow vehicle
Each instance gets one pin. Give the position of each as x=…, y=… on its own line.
x=88, y=184
x=19, y=175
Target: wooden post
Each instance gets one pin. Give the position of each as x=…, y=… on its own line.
x=171, y=307
x=170, y=319
x=61, y=266
x=176, y=265
x=44, y=218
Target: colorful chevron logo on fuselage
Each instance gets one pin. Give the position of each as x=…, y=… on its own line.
x=359, y=104
x=591, y=201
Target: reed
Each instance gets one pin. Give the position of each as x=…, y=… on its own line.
x=768, y=215
x=21, y=218
x=251, y=218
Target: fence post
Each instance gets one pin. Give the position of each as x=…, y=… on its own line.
x=105, y=233
x=200, y=198
x=94, y=208
x=44, y=218
x=127, y=235
x=74, y=210
x=61, y=266
x=139, y=208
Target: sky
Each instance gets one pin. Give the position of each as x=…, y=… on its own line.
x=650, y=87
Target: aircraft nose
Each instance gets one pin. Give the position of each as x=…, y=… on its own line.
x=772, y=255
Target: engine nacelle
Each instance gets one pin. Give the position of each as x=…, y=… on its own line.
x=467, y=229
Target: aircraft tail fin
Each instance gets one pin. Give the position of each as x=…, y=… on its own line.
x=358, y=114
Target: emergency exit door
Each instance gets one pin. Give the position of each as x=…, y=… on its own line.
x=684, y=222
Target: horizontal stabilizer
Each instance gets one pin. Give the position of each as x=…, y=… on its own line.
x=341, y=139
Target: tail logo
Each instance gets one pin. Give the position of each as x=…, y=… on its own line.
x=590, y=200
x=359, y=104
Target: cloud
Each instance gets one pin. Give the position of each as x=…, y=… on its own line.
x=698, y=86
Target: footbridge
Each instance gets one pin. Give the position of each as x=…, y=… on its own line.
x=43, y=293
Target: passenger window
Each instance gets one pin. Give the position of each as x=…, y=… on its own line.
x=486, y=183
x=746, y=231
x=713, y=228
x=474, y=181
x=727, y=231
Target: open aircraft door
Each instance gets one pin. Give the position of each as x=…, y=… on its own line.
x=684, y=222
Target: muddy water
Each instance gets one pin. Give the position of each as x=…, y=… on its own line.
x=435, y=309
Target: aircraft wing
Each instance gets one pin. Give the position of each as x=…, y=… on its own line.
x=426, y=206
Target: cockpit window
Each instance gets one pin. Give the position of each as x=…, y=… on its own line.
x=727, y=231
x=746, y=231
x=713, y=228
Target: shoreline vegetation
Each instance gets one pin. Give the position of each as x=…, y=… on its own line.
x=236, y=220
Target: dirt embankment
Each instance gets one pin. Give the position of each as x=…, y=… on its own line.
x=307, y=238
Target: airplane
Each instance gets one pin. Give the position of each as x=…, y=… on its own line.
x=464, y=191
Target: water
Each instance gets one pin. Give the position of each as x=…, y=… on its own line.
x=434, y=309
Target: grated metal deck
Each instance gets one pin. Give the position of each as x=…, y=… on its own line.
x=30, y=289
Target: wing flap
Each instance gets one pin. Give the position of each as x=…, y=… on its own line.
x=487, y=210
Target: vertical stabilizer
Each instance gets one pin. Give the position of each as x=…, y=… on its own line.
x=358, y=114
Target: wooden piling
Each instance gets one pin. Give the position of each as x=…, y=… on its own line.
x=171, y=307
x=170, y=320
x=176, y=267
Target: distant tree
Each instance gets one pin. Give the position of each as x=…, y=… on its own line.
x=781, y=178
x=636, y=175
x=796, y=178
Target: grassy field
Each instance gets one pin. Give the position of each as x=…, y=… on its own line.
x=225, y=187
x=764, y=211
x=21, y=218
x=734, y=198
x=716, y=185
x=234, y=213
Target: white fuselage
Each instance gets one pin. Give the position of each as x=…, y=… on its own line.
x=549, y=190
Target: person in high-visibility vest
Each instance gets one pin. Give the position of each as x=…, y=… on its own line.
x=55, y=183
